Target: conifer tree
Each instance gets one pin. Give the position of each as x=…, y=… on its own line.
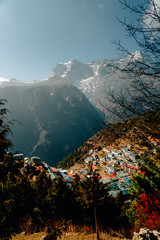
x=91, y=194
x=43, y=209
x=62, y=199
x=5, y=129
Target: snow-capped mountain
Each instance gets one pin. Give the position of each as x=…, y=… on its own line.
x=94, y=78
x=56, y=116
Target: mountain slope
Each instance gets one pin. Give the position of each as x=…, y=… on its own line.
x=94, y=78
x=135, y=133
x=56, y=118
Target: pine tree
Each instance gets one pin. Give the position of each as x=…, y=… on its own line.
x=5, y=129
x=91, y=194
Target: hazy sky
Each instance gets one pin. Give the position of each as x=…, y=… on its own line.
x=35, y=35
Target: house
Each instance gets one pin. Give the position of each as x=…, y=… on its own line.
x=127, y=153
x=111, y=170
x=107, y=159
x=39, y=168
x=68, y=179
x=133, y=156
x=105, y=150
x=95, y=156
x=113, y=178
x=19, y=156
x=114, y=189
x=105, y=181
x=130, y=167
x=62, y=171
x=111, y=155
x=122, y=174
x=45, y=165
x=52, y=174
x=96, y=169
x=155, y=141
x=87, y=160
x=55, y=170
x=27, y=162
x=72, y=176
x=36, y=160
x=123, y=150
x=90, y=152
x=82, y=176
x=116, y=153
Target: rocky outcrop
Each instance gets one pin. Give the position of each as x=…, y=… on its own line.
x=146, y=234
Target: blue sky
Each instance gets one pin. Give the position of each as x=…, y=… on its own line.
x=35, y=35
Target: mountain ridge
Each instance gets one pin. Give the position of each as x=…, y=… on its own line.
x=94, y=78
x=56, y=118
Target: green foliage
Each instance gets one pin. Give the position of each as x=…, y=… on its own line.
x=69, y=161
x=5, y=129
x=92, y=192
x=55, y=231
x=15, y=203
x=42, y=198
x=52, y=233
x=149, y=180
x=8, y=188
x=63, y=199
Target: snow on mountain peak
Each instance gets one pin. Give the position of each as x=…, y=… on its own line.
x=137, y=55
x=4, y=79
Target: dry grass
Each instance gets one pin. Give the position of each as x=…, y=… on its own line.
x=66, y=236
x=35, y=236
x=72, y=232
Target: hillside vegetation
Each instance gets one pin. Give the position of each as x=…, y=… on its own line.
x=135, y=132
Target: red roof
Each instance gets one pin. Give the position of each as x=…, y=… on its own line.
x=54, y=169
x=39, y=168
x=73, y=175
x=111, y=175
x=82, y=176
x=155, y=140
x=95, y=168
x=131, y=166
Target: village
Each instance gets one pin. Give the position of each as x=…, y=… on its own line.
x=113, y=168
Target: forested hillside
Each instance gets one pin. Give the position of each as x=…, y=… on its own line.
x=135, y=132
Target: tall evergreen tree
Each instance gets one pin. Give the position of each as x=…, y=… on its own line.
x=91, y=194
x=5, y=129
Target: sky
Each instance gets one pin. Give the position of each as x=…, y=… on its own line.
x=35, y=35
